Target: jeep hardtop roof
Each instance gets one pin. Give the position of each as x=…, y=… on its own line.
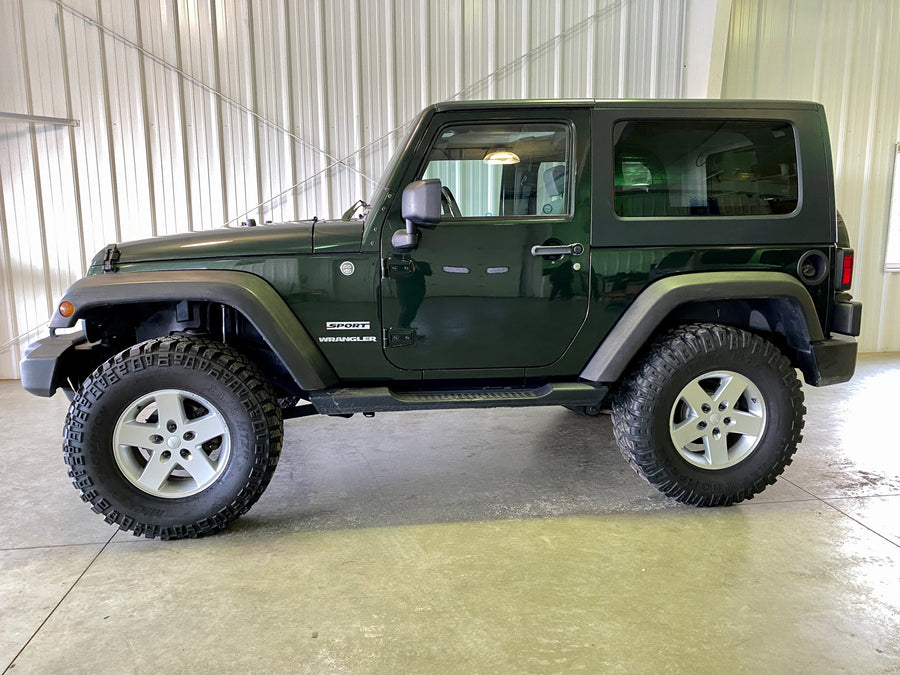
x=693, y=104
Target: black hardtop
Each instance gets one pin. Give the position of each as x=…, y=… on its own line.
x=607, y=104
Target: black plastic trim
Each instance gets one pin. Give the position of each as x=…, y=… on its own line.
x=658, y=300
x=847, y=318
x=834, y=361
x=247, y=293
x=41, y=363
x=347, y=401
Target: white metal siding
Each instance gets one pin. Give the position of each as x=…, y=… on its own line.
x=846, y=55
x=198, y=113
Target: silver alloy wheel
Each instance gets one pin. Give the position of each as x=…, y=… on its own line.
x=171, y=443
x=717, y=419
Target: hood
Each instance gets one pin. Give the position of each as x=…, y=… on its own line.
x=281, y=239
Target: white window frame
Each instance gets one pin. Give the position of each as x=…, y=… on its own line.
x=892, y=253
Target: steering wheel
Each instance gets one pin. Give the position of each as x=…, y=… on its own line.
x=448, y=203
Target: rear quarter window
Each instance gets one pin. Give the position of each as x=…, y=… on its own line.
x=691, y=169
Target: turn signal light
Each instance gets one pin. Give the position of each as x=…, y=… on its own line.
x=66, y=308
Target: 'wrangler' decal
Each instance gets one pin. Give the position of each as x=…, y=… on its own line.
x=350, y=338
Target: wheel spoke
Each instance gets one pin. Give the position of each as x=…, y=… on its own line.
x=731, y=389
x=745, y=423
x=156, y=473
x=694, y=395
x=686, y=432
x=716, y=449
x=198, y=465
x=170, y=406
x=136, y=434
x=206, y=428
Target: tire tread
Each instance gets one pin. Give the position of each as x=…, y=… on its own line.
x=205, y=355
x=633, y=406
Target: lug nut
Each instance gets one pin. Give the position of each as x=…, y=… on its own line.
x=166, y=456
x=705, y=408
x=189, y=436
x=172, y=427
x=701, y=425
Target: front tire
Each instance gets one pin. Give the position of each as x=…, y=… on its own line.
x=173, y=438
x=711, y=415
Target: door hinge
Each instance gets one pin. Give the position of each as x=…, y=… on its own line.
x=398, y=268
x=399, y=337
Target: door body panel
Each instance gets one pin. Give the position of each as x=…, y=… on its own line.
x=472, y=295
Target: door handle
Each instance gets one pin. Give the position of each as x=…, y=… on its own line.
x=562, y=249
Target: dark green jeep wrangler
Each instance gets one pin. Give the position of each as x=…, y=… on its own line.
x=673, y=261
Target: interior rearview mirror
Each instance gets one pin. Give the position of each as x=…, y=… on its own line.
x=421, y=205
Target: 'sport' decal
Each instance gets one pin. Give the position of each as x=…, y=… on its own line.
x=348, y=325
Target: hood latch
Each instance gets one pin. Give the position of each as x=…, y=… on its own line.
x=111, y=258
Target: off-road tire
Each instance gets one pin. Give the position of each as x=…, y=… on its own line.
x=646, y=402
x=180, y=368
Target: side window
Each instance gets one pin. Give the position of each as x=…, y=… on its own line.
x=502, y=170
x=699, y=168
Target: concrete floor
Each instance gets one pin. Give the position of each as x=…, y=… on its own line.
x=498, y=541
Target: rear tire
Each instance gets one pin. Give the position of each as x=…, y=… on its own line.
x=711, y=415
x=173, y=438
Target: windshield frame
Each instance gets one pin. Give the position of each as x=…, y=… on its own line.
x=385, y=190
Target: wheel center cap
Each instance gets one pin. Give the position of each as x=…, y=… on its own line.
x=174, y=442
x=715, y=418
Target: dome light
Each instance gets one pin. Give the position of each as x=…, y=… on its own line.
x=501, y=157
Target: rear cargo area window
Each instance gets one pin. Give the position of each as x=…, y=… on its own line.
x=704, y=168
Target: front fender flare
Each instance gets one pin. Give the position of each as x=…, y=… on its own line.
x=247, y=293
x=661, y=298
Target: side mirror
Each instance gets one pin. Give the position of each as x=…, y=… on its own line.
x=421, y=205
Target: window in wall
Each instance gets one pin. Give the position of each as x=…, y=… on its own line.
x=892, y=260
x=700, y=168
x=502, y=170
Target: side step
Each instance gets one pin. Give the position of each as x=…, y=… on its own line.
x=347, y=401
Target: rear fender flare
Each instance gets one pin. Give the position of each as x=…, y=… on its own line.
x=643, y=317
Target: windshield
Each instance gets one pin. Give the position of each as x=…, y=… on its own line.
x=379, y=195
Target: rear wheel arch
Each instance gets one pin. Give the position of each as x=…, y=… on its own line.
x=770, y=303
x=778, y=320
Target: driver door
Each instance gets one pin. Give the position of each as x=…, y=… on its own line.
x=503, y=280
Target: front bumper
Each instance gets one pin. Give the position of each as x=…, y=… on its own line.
x=40, y=368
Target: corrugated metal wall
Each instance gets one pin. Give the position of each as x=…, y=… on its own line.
x=194, y=114
x=198, y=113
x=846, y=55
